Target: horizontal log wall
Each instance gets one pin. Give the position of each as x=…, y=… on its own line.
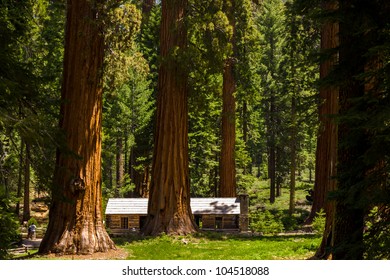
x=228, y=221
x=114, y=221
x=208, y=222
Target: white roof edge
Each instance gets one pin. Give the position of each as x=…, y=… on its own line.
x=209, y=205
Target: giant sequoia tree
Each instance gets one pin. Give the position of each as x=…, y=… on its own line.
x=227, y=168
x=362, y=155
x=169, y=202
x=75, y=224
x=326, y=154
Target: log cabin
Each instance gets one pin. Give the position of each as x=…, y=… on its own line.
x=127, y=215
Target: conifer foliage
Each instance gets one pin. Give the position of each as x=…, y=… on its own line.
x=175, y=99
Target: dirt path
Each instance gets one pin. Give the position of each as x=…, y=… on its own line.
x=32, y=243
x=118, y=254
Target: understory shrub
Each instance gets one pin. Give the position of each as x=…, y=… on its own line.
x=9, y=228
x=265, y=222
x=318, y=223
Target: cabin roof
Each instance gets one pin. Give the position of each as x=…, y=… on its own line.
x=199, y=206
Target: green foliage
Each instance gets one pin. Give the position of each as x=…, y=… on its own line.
x=209, y=34
x=377, y=234
x=128, y=107
x=318, y=223
x=204, y=118
x=149, y=41
x=9, y=226
x=128, y=112
x=31, y=221
x=265, y=222
x=121, y=26
x=30, y=73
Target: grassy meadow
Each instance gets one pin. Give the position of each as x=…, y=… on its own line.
x=218, y=246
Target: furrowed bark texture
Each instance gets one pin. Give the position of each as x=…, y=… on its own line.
x=75, y=225
x=326, y=154
x=227, y=170
x=169, y=202
x=227, y=166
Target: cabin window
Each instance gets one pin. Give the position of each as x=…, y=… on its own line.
x=108, y=221
x=124, y=222
x=218, y=222
x=198, y=221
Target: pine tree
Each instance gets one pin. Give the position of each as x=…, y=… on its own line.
x=271, y=27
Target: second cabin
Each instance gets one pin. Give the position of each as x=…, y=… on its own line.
x=126, y=215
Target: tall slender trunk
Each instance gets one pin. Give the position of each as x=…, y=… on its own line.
x=278, y=164
x=272, y=149
x=75, y=219
x=216, y=174
x=293, y=164
x=26, y=198
x=135, y=176
x=247, y=168
x=119, y=165
x=20, y=179
x=169, y=207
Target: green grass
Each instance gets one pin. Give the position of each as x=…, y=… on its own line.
x=216, y=246
x=260, y=207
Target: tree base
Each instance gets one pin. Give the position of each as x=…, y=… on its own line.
x=155, y=227
x=74, y=243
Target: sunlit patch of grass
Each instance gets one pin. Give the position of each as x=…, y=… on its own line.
x=222, y=247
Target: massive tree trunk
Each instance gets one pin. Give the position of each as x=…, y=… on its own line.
x=75, y=221
x=227, y=167
x=169, y=208
x=349, y=214
x=326, y=153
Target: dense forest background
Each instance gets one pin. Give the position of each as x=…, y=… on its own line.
x=287, y=94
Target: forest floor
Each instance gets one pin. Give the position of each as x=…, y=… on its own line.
x=33, y=246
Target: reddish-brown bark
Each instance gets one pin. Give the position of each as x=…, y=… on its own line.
x=227, y=166
x=169, y=202
x=75, y=225
x=326, y=154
